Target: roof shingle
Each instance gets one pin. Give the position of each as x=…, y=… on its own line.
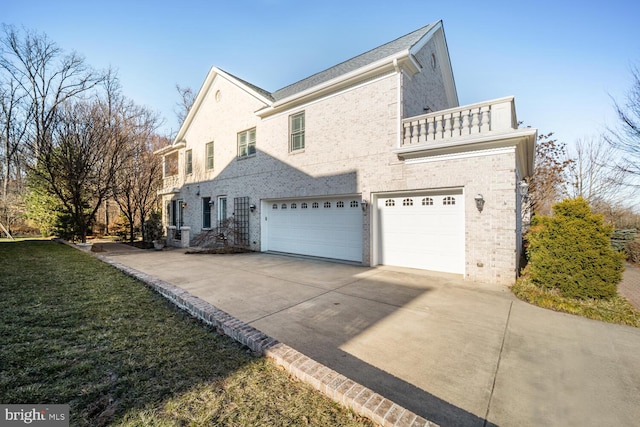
x=398, y=45
x=388, y=49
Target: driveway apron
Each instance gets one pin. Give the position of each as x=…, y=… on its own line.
x=455, y=352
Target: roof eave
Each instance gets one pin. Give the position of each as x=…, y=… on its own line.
x=523, y=140
x=170, y=148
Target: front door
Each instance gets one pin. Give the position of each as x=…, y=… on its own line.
x=176, y=213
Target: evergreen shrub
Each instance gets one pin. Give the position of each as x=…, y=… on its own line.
x=571, y=252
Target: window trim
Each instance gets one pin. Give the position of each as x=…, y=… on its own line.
x=221, y=209
x=248, y=143
x=206, y=210
x=209, y=159
x=188, y=162
x=297, y=133
x=171, y=165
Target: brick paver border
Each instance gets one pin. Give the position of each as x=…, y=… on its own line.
x=361, y=400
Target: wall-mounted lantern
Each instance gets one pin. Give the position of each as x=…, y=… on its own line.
x=211, y=202
x=183, y=205
x=524, y=189
x=252, y=207
x=198, y=191
x=479, y=202
x=364, y=205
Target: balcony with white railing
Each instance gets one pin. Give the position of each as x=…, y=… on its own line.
x=461, y=125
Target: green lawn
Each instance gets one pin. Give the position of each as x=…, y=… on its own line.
x=74, y=330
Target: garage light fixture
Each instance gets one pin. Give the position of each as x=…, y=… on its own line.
x=252, y=207
x=479, y=202
x=524, y=189
x=364, y=205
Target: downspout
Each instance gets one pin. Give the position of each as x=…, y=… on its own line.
x=398, y=103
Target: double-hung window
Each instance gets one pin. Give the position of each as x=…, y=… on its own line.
x=171, y=164
x=209, y=155
x=296, y=131
x=188, y=162
x=247, y=143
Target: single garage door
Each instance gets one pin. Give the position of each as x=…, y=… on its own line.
x=326, y=227
x=424, y=231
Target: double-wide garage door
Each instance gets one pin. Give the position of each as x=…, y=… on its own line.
x=424, y=231
x=324, y=227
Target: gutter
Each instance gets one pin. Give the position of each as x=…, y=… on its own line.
x=400, y=59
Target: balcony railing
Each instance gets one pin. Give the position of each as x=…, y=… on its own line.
x=498, y=115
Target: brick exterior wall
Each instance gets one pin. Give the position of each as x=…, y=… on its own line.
x=426, y=89
x=349, y=138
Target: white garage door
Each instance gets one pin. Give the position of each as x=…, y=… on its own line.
x=328, y=227
x=422, y=231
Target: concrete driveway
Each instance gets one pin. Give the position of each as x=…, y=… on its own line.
x=456, y=353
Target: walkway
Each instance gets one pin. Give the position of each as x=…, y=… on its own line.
x=630, y=285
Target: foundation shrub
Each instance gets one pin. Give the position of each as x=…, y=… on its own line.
x=571, y=252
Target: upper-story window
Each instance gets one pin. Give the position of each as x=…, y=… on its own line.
x=247, y=143
x=171, y=164
x=209, y=155
x=188, y=162
x=296, y=131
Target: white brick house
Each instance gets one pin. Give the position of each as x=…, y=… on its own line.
x=370, y=161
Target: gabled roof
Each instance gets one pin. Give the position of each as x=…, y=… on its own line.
x=264, y=93
x=401, y=44
x=385, y=57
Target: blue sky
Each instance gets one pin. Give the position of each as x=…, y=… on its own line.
x=563, y=60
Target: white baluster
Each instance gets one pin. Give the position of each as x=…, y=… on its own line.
x=447, y=125
x=485, y=125
x=431, y=128
x=422, y=127
x=465, y=123
x=455, y=124
x=405, y=135
x=439, y=127
x=475, y=121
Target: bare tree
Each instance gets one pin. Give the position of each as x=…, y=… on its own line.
x=13, y=127
x=547, y=184
x=46, y=75
x=139, y=178
x=149, y=179
x=626, y=137
x=592, y=173
x=79, y=163
x=187, y=98
x=36, y=79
